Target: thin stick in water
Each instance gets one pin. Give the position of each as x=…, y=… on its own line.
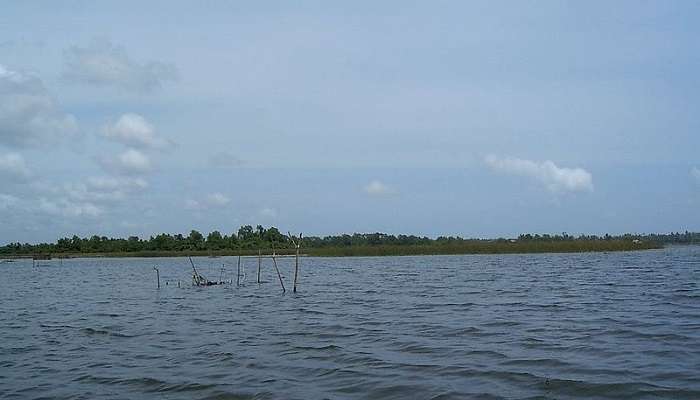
x=238, y=276
x=296, y=263
x=157, y=276
x=296, y=270
x=278, y=271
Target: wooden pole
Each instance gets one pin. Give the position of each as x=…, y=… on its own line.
x=259, y=263
x=192, y=263
x=296, y=270
x=157, y=276
x=238, y=275
x=296, y=263
x=278, y=271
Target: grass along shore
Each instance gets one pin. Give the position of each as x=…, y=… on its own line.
x=466, y=247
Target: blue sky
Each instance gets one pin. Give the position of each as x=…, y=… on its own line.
x=463, y=118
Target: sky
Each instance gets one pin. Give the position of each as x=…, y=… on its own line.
x=478, y=119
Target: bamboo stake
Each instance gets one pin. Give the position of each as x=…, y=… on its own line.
x=238, y=275
x=278, y=270
x=157, y=276
x=296, y=270
x=192, y=263
x=259, y=263
x=296, y=260
x=197, y=279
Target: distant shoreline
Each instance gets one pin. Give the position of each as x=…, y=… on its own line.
x=465, y=248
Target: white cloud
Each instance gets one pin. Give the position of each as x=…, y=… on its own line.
x=129, y=162
x=134, y=225
x=554, y=178
x=225, y=159
x=67, y=208
x=8, y=201
x=13, y=167
x=28, y=115
x=133, y=161
x=104, y=64
x=218, y=199
x=134, y=130
x=695, y=173
x=91, y=198
x=213, y=200
x=104, y=189
x=268, y=212
x=192, y=204
x=111, y=184
x=377, y=188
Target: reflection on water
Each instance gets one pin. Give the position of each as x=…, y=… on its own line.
x=622, y=325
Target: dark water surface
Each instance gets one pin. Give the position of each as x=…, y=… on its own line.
x=578, y=326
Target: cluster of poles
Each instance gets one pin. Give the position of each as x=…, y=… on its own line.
x=199, y=280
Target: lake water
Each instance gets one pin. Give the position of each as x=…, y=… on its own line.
x=555, y=326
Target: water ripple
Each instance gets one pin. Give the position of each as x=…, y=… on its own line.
x=558, y=326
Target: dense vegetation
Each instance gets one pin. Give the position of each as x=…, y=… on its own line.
x=248, y=240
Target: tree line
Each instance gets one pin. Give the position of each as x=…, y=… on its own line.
x=249, y=238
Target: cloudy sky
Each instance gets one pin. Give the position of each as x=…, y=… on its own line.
x=460, y=118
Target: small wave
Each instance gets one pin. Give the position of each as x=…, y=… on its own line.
x=631, y=333
x=330, y=347
x=104, y=332
x=311, y=312
x=19, y=350
x=298, y=333
x=56, y=326
x=221, y=356
x=417, y=348
x=394, y=391
x=335, y=335
x=536, y=362
x=501, y=323
x=111, y=315
x=622, y=390
x=222, y=395
x=146, y=383
x=487, y=353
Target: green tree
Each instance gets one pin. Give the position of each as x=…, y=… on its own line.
x=245, y=233
x=196, y=240
x=215, y=241
x=274, y=235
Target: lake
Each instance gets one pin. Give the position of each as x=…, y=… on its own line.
x=547, y=326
